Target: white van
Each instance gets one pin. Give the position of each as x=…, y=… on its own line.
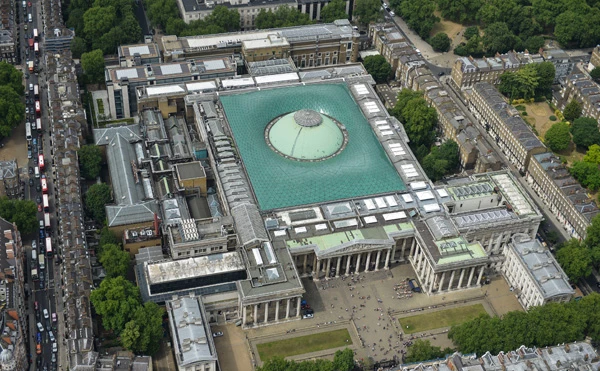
x=30, y=87
x=30, y=19
x=37, y=171
x=24, y=4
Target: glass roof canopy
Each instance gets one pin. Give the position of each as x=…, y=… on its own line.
x=361, y=169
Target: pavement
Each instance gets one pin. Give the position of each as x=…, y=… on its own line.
x=369, y=306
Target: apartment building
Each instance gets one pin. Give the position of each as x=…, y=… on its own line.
x=533, y=273
x=566, y=198
x=595, y=59
x=138, y=54
x=582, y=88
x=389, y=42
x=502, y=121
x=563, y=65
x=304, y=44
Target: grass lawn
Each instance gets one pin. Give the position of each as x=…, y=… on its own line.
x=441, y=318
x=304, y=344
x=538, y=115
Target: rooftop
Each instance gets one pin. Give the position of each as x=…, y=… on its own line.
x=278, y=182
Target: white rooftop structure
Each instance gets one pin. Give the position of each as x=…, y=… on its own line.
x=194, y=267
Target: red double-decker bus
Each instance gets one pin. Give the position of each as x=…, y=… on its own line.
x=38, y=108
x=41, y=163
x=44, y=183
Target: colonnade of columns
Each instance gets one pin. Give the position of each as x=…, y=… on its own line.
x=373, y=260
x=446, y=280
x=263, y=312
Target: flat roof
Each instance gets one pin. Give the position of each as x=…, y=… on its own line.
x=208, y=265
x=190, y=170
x=457, y=249
x=361, y=169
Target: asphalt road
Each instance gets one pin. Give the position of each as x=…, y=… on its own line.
x=42, y=290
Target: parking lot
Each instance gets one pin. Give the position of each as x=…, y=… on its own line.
x=370, y=304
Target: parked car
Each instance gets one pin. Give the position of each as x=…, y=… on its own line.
x=217, y=334
x=40, y=327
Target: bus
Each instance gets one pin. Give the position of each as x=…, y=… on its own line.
x=37, y=107
x=35, y=34
x=28, y=132
x=30, y=66
x=44, y=185
x=38, y=123
x=46, y=203
x=41, y=164
x=36, y=48
x=42, y=262
x=33, y=257
x=30, y=41
x=48, y=246
x=36, y=91
x=47, y=221
x=34, y=274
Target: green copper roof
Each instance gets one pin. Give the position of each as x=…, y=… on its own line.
x=305, y=135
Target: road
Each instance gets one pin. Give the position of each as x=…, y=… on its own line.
x=42, y=290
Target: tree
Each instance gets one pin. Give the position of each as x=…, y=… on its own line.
x=93, y=66
x=98, y=21
x=11, y=77
x=107, y=237
x=545, y=73
x=116, y=300
x=558, y=137
x=343, y=360
x=143, y=334
x=460, y=11
x=282, y=17
x=78, y=46
x=534, y=43
x=161, y=11
x=498, y=38
x=595, y=74
x=441, y=160
x=404, y=96
x=575, y=259
x=585, y=132
x=12, y=110
x=421, y=122
x=521, y=84
x=90, y=160
x=470, y=32
x=367, y=11
x=572, y=110
x=21, y=212
x=378, y=67
x=114, y=260
x=587, y=174
x=419, y=16
x=131, y=32
x=96, y=198
x=440, y=42
x=592, y=239
x=422, y=350
x=229, y=20
x=333, y=11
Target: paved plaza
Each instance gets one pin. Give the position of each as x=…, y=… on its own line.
x=370, y=304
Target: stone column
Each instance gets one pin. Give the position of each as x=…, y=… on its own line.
x=491, y=243
x=255, y=314
x=311, y=11
x=348, y=260
x=368, y=262
x=314, y=265
x=337, y=266
x=451, y=280
x=431, y=280
x=471, y=277
x=462, y=275
x=304, y=264
x=377, y=260
x=403, y=249
x=328, y=268
x=441, y=285
x=244, y=314
x=277, y=311
x=387, y=260
x=266, y=312
x=412, y=249
x=357, y=263
x=287, y=309
x=480, y=275
x=298, y=307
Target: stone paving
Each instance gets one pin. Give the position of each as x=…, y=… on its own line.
x=370, y=304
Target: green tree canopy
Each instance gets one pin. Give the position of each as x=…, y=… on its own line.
x=116, y=300
x=90, y=161
x=161, y=11
x=470, y=32
x=498, y=38
x=575, y=259
x=78, y=46
x=587, y=174
x=12, y=110
x=96, y=198
x=534, y=43
x=11, y=77
x=144, y=333
x=404, y=96
x=422, y=350
x=572, y=110
x=441, y=160
x=98, y=21
x=21, y=212
x=595, y=74
x=460, y=11
x=558, y=137
x=419, y=16
x=342, y=361
x=592, y=239
x=440, y=42
x=93, y=67
x=333, y=11
x=282, y=17
x=545, y=73
x=107, y=237
x=114, y=260
x=585, y=132
x=367, y=11
x=420, y=120
x=521, y=84
x=378, y=67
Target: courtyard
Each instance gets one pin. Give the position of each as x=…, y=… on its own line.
x=371, y=307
